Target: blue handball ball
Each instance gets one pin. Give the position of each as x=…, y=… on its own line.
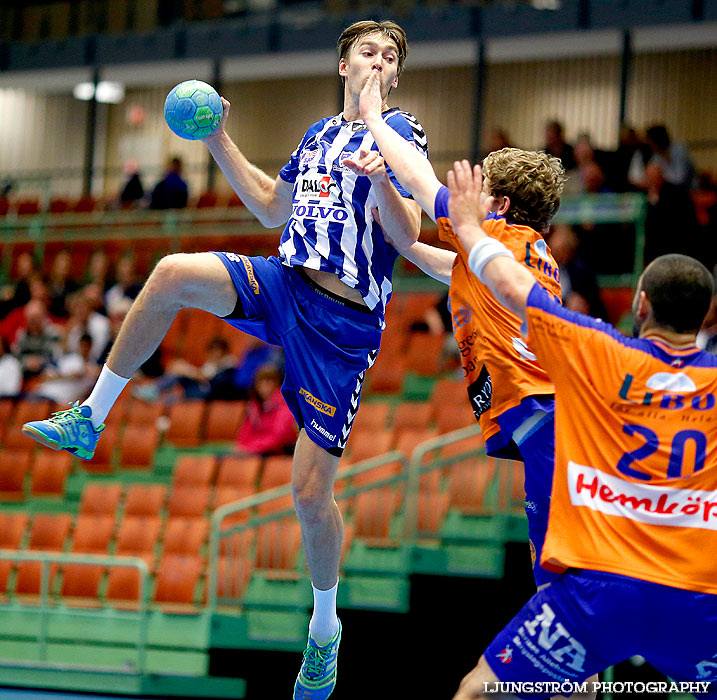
x=193, y=109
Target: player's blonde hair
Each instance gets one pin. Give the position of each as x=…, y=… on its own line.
x=532, y=180
x=351, y=35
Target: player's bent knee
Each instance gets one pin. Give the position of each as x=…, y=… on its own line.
x=196, y=280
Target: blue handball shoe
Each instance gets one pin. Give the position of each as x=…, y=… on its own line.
x=70, y=430
x=317, y=677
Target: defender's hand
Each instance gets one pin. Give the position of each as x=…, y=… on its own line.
x=368, y=163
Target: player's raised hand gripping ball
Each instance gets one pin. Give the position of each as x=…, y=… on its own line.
x=193, y=109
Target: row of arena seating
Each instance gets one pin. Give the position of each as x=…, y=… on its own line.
x=32, y=205
x=167, y=526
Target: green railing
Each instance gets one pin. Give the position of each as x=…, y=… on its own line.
x=217, y=534
x=625, y=208
x=46, y=559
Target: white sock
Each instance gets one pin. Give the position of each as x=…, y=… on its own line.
x=107, y=390
x=324, y=624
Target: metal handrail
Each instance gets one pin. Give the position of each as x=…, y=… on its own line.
x=416, y=468
x=48, y=558
x=216, y=534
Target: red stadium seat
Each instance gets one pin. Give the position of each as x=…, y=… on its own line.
x=223, y=420
x=241, y=472
x=49, y=473
x=190, y=470
x=144, y=500
x=100, y=499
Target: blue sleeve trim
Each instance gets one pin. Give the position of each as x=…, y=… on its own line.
x=540, y=299
x=440, y=207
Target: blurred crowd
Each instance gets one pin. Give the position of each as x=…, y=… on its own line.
x=682, y=203
x=56, y=332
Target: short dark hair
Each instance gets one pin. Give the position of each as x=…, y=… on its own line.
x=387, y=28
x=680, y=290
x=659, y=136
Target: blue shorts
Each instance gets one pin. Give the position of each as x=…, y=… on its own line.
x=329, y=343
x=538, y=452
x=589, y=620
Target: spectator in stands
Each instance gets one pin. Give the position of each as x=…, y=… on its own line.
x=10, y=371
x=577, y=279
x=673, y=159
x=185, y=380
x=133, y=191
x=15, y=320
x=268, y=426
x=98, y=271
x=632, y=155
x=71, y=376
x=59, y=285
x=671, y=224
x=257, y=354
x=38, y=343
x=116, y=313
x=556, y=145
x=172, y=191
x=84, y=320
x=126, y=285
x=17, y=294
x=497, y=139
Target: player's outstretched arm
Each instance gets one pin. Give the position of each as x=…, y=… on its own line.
x=435, y=262
x=488, y=259
x=269, y=200
x=413, y=171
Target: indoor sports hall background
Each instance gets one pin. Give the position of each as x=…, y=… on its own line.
x=170, y=565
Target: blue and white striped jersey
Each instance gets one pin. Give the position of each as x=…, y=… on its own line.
x=332, y=227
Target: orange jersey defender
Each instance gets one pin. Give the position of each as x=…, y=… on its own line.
x=635, y=481
x=499, y=368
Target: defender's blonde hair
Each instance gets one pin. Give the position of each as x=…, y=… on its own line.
x=351, y=35
x=532, y=180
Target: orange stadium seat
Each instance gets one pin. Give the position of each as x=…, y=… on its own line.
x=49, y=473
x=81, y=581
x=144, y=500
x=373, y=516
x=185, y=423
x=102, y=461
x=276, y=504
x=6, y=408
x=190, y=470
x=100, y=499
x=142, y=413
x=49, y=531
x=189, y=501
x=366, y=444
x=409, y=439
x=241, y=472
x=6, y=567
x=237, y=544
x=424, y=354
x=138, y=446
x=138, y=536
x=385, y=471
x=277, y=472
x=432, y=509
x=454, y=417
x=386, y=376
x=207, y=200
x=371, y=416
x=223, y=420
x=468, y=484
x=92, y=534
x=14, y=464
x=177, y=578
x=230, y=494
x=29, y=578
x=26, y=410
x=185, y=535
x=412, y=414
x=12, y=528
x=277, y=545
x=233, y=576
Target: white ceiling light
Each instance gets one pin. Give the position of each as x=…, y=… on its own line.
x=83, y=91
x=106, y=91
